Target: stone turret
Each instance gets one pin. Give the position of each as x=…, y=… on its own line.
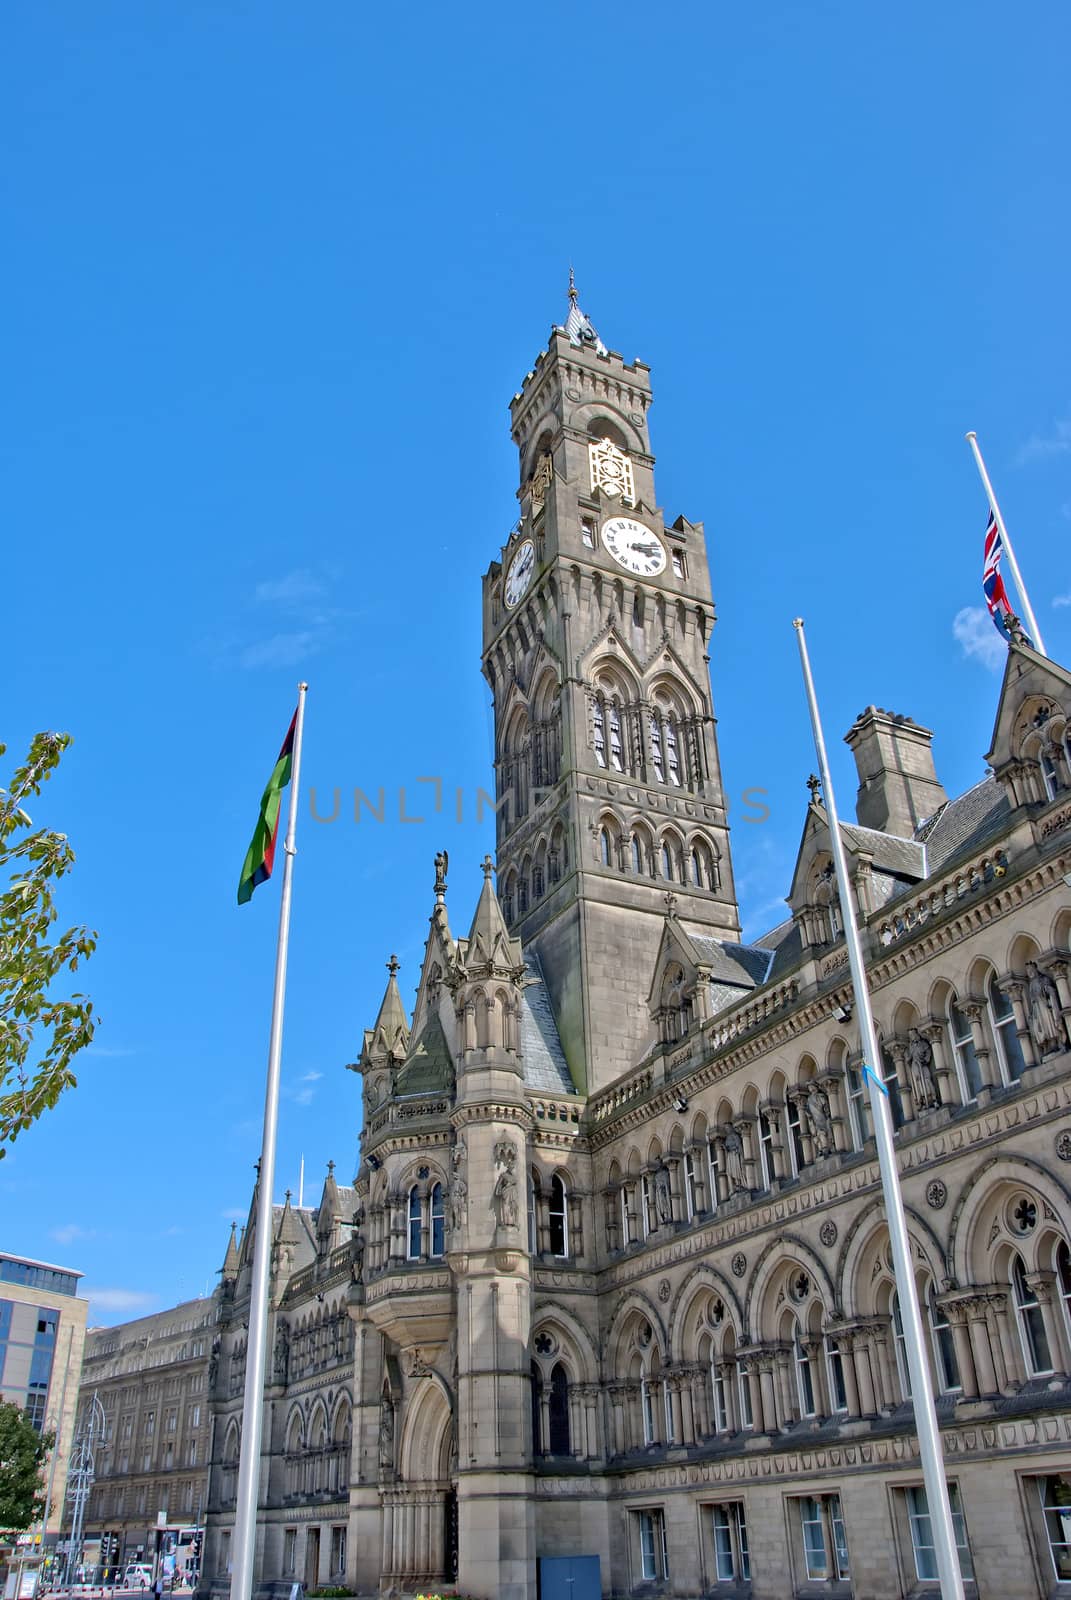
x=229, y=1270
x=486, y=983
x=898, y=785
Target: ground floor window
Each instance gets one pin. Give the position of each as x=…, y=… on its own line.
x=1055, y=1494
x=732, y=1559
x=650, y=1539
x=225, y=1551
x=823, y=1540
x=338, y=1550
x=289, y=1549
x=922, y=1536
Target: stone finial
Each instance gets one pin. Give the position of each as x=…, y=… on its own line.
x=330, y=1169
x=442, y=863
x=572, y=285
x=814, y=784
x=393, y=964
x=671, y=903
x=488, y=867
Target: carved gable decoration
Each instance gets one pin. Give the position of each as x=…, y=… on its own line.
x=611, y=471
x=540, y=480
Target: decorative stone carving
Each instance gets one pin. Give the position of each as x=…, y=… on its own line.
x=664, y=1290
x=281, y=1353
x=663, y=1201
x=459, y=1190
x=1043, y=1011
x=920, y=1065
x=611, y=471
x=828, y=1232
x=936, y=1194
x=504, y=1198
x=386, y=1435
x=734, y=1161
x=1063, y=1145
x=739, y=1264
x=819, y=1120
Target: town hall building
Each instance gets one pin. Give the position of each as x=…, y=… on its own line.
x=609, y=1308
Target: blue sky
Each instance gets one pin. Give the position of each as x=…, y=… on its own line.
x=271, y=276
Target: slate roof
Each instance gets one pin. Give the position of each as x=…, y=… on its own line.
x=428, y=1067
x=964, y=823
x=742, y=965
x=903, y=857
x=545, y=1066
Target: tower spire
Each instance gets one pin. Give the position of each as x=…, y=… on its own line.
x=579, y=329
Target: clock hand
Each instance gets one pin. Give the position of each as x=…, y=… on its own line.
x=645, y=549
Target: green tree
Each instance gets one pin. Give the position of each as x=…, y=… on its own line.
x=32, y=1016
x=22, y=1454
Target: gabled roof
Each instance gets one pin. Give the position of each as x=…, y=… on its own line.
x=579, y=328
x=1043, y=675
x=965, y=822
x=429, y=1067
x=390, y=1033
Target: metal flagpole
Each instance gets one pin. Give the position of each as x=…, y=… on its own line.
x=1028, y=610
x=933, y=1471
x=245, y=1516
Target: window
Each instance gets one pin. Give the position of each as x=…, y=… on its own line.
x=637, y=855
x=766, y=1149
x=712, y=1173
x=1055, y=1495
x=804, y=1377
x=559, y=1230
x=616, y=749
x=679, y=569
x=598, y=733
x=743, y=1376
x=721, y=1399
x=858, y=1107
x=903, y=1371
x=732, y=1558
x=691, y=1187
x=1002, y=1017
x=1063, y=1281
x=667, y=863
x=650, y=1434
x=962, y=1036
x=225, y=1551
x=605, y=852
x=438, y=1221
x=825, y=1548
x=670, y=1434
x=289, y=1549
x=587, y=532
x=626, y=1220
x=922, y=1541
x=651, y=1534
x=944, y=1347
x=645, y=1204
x=415, y=1229
x=558, y=1408
x=838, y=1392
x=795, y=1135
x=1031, y=1323
x=338, y=1550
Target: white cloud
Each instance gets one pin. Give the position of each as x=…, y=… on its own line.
x=108, y=1051
x=281, y=650
x=1062, y=600
x=973, y=630
x=70, y=1231
x=1042, y=447
x=235, y=1213
x=297, y=588
x=311, y=1077
x=132, y=1300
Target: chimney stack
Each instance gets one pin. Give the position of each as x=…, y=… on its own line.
x=898, y=787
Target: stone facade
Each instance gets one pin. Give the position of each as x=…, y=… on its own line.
x=151, y=1376
x=613, y=1279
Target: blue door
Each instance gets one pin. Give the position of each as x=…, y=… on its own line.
x=569, y=1578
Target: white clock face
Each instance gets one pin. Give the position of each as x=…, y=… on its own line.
x=634, y=547
x=520, y=574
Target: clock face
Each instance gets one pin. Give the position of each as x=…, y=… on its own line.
x=634, y=547
x=520, y=574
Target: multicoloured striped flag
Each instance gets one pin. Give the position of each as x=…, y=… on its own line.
x=260, y=857
x=996, y=596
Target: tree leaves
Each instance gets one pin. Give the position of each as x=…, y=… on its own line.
x=22, y=1452
x=32, y=1017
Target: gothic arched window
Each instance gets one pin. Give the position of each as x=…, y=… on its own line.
x=1002, y=1019
x=415, y=1228
x=804, y=1375
x=598, y=733
x=558, y=1409
x=617, y=752
x=559, y=1218
x=1028, y=1315
x=438, y=1221
x=605, y=847
x=637, y=855
x=961, y=1036
x=944, y=1348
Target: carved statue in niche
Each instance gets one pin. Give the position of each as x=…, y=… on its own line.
x=459, y=1190
x=357, y=1247
x=386, y=1434
x=1043, y=1011
x=504, y=1198
x=663, y=1199
x=281, y=1354
x=920, y=1066
x=819, y=1120
x=734, y=1161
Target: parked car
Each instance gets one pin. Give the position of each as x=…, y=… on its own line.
x=137, y=1576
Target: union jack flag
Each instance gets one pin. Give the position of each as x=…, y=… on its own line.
x=996, y=596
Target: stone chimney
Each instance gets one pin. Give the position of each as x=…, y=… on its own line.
x=898, y=785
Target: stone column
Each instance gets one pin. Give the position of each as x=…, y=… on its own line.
x=847, y=1367
x=768, y=1393
x=699, y=1161
x=1007, y=1351
x=747, y=1128
x=1043, y=1284
x=898, y=1054
x=859, y=1348
x=833, y=1084
x=774, y=1116
x=974, y=1011
x=981, y=1352
x=823, y=1400
x=1015, y=989
x=721, y=1180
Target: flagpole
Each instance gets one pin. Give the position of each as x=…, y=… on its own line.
x=1028, y=610
x=933, y=1472
x=245, y=1515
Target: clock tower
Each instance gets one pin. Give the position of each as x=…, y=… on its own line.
x=596, y=625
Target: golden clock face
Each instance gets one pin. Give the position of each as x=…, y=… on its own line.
x=520, y=574
x=634, y=547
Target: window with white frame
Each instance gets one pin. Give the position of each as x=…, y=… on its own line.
x=1028, y=1315
x=712, y=1174
x=728, y=1532
x=743, y=1383
x=1002, y=1020
x=645, y=1204
x=598, y=732
x=650, y=1534
x=289, y=1549
x=670, y=1434
x=626, y=1220
x=920, y=1526
x=415, y=1228
x=1063, y=1282
x=944, y=1345
x=650, y=1431
x=718, y=1393
x=795, y=1134
x=766, y=1162
x=903, y=1371
x=531, y=1215
x=438, y=1221
x=804, y=1375
x=838, y=1392
x=859, y=1106
x=338, y=1550
x=691, y=1187
x=587, y=532
x=961, y=1037
x=559, y=1218
x=823, y=1539
x=1054, y=1492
